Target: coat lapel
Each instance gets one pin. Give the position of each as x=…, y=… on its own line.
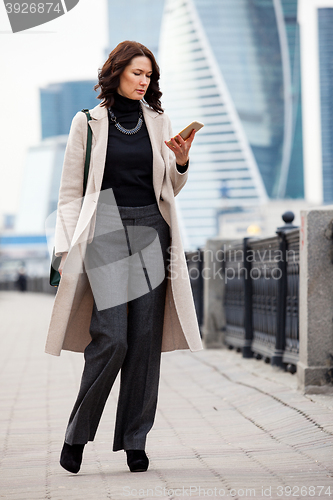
x=100, y=128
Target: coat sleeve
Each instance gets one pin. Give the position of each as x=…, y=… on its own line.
x=178, y=179
x=71, y=184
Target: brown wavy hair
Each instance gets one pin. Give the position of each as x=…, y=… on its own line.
x=119, y=58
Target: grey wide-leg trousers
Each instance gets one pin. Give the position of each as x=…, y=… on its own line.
x=127, y=336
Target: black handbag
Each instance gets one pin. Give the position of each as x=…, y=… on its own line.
x=55, y=261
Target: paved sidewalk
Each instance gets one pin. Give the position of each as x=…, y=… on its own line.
x=225, y=426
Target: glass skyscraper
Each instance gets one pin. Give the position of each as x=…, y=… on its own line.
x=234, y=64
x=315, y=18
x=292, y=185
x=223, y=173
x=43, y=162
x=61, y=101
x=325, y=43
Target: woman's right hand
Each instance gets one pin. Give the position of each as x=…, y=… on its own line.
x=62, y=262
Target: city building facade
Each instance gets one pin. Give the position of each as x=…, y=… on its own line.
x=234, y=65
x=59, y=102
x=29, y=243
x=316, y=25
x=39, y=198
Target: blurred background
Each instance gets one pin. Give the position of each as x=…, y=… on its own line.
x=257, y=73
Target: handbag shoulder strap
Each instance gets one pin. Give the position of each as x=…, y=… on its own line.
x=88, y=151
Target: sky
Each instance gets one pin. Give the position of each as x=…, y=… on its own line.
x=71, y=47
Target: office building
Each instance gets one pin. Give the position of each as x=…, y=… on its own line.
x=61, y=101
x=31, y=240
x=40, y=186
x=316, y=24
x=234, y=65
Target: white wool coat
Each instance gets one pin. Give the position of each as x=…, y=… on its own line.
x=71, y=314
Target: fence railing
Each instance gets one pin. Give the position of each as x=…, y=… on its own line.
x=261, y=279
x=291, y=350
x=33, y=284
x=261, y=296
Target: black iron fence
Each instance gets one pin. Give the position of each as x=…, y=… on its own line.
x=261, y=279
x=291, y=349
x=261, y=296
x=33, y=284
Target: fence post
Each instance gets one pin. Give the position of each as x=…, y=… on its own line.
x=201, y=287
x=248, y=327
x=214, y=289
x=315, y=365
x=277, y=358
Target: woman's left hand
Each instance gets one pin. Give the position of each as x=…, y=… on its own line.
x=180, y=147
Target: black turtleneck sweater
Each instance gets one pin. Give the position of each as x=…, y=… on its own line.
x=129, y=158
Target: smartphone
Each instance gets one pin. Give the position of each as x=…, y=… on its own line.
x=186, y=132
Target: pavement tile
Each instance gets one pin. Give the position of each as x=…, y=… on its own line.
x=222, y=422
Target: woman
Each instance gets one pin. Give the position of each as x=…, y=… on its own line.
x=135, y=158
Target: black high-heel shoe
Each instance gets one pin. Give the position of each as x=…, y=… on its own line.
x=71, y=457
x=137, y=460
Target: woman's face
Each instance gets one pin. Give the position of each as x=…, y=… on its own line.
x=135, y=78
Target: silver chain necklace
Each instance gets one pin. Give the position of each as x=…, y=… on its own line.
x=124, y=130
